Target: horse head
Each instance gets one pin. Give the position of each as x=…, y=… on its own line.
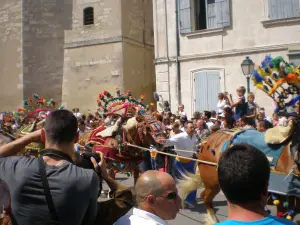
x=144, y=130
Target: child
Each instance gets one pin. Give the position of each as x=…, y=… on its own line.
x=251, y=109
x=240, y=104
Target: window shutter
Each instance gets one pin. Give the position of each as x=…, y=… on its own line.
x=280, y=9
x=223, y=13
x=211, y=14
x=292, y=9
x=185, y=22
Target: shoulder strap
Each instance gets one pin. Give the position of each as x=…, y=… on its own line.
x=42, y=170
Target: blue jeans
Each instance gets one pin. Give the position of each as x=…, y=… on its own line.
x=190, y=167
x=146, y=164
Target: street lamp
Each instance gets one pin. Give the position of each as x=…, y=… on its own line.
x=247, y=67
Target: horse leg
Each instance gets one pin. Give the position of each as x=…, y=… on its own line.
x=209, y=177
x=208, y=195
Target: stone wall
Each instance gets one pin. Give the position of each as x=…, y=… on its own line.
x=11, y=84
x=89, y=71
x=44, y=22
x=138, y=49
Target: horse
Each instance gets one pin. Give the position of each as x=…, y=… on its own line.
x=142, y=130
x=211, y=150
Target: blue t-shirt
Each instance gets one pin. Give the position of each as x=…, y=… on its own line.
x=270, y=220
x=240, y=109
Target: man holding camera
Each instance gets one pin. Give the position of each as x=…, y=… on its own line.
x=51, y=189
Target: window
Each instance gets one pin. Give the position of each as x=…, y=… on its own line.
x=282, y=9
x=294, y=57
x=203, y=14
x=88, y=16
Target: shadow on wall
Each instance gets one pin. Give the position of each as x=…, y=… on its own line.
x=44, y=23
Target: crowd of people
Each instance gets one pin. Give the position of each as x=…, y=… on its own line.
x=183, y=132
x=48, y=190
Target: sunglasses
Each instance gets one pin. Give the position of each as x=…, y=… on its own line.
x=171, y=196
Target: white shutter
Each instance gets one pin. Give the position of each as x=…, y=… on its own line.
x=222, y=9
x=185, y=22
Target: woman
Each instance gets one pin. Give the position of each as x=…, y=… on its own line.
x=221, y=103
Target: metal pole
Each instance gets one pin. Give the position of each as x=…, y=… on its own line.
x=248, y=84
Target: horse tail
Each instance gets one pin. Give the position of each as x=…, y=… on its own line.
x=188, y=182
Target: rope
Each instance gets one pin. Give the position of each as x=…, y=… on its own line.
x=168, y=154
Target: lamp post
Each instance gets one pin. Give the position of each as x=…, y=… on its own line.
x=247, y=67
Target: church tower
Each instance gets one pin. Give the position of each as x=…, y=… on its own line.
x=110, y=46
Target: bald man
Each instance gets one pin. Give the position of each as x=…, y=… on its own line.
x=157, y=199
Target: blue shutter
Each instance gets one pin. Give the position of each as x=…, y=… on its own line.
x=201, y=91
x=185, y=22
x=280, y=9
x=222, y=9
x=213, y=83
x=207, y=87
x=211, y=14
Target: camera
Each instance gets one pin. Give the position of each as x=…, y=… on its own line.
x=83, y=159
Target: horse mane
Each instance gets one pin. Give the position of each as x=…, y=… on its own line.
x=130, y=124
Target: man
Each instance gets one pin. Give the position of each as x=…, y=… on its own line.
x=73, y=189
x=157, y=199
x=181, y=111
x=244, y=173
x=82, y=128
x=185, y=141
x=202, y=130
x=206, y=116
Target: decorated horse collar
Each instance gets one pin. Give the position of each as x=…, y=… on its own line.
x=155, y=127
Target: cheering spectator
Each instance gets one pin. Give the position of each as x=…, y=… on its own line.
x=202, y=129
x=240, y=104
x=221, y=103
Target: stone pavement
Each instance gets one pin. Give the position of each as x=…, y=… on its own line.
x=196, y=215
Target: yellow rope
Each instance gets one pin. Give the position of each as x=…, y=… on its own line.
x=168, y=154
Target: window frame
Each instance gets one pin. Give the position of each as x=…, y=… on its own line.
x=88, y=16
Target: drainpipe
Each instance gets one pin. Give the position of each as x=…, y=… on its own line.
x=167, y=49
x=178, y=54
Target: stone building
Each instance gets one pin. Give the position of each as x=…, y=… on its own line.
x=214, y=37
x=72, y=50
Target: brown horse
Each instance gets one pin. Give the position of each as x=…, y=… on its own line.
x=211, y=151
x=142, y=130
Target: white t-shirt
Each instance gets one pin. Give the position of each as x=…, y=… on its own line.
x=221, y=105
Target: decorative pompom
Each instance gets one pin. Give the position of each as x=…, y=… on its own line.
x=36, y=96
x=280, y=214
x=288, y=217
x=30, y=100
x=258, y=78
x=276, y=202
x=268, y=211
x=25, y=102
x=105, y=92
x=266, y=88
x=285, y=204
x=291, y=212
